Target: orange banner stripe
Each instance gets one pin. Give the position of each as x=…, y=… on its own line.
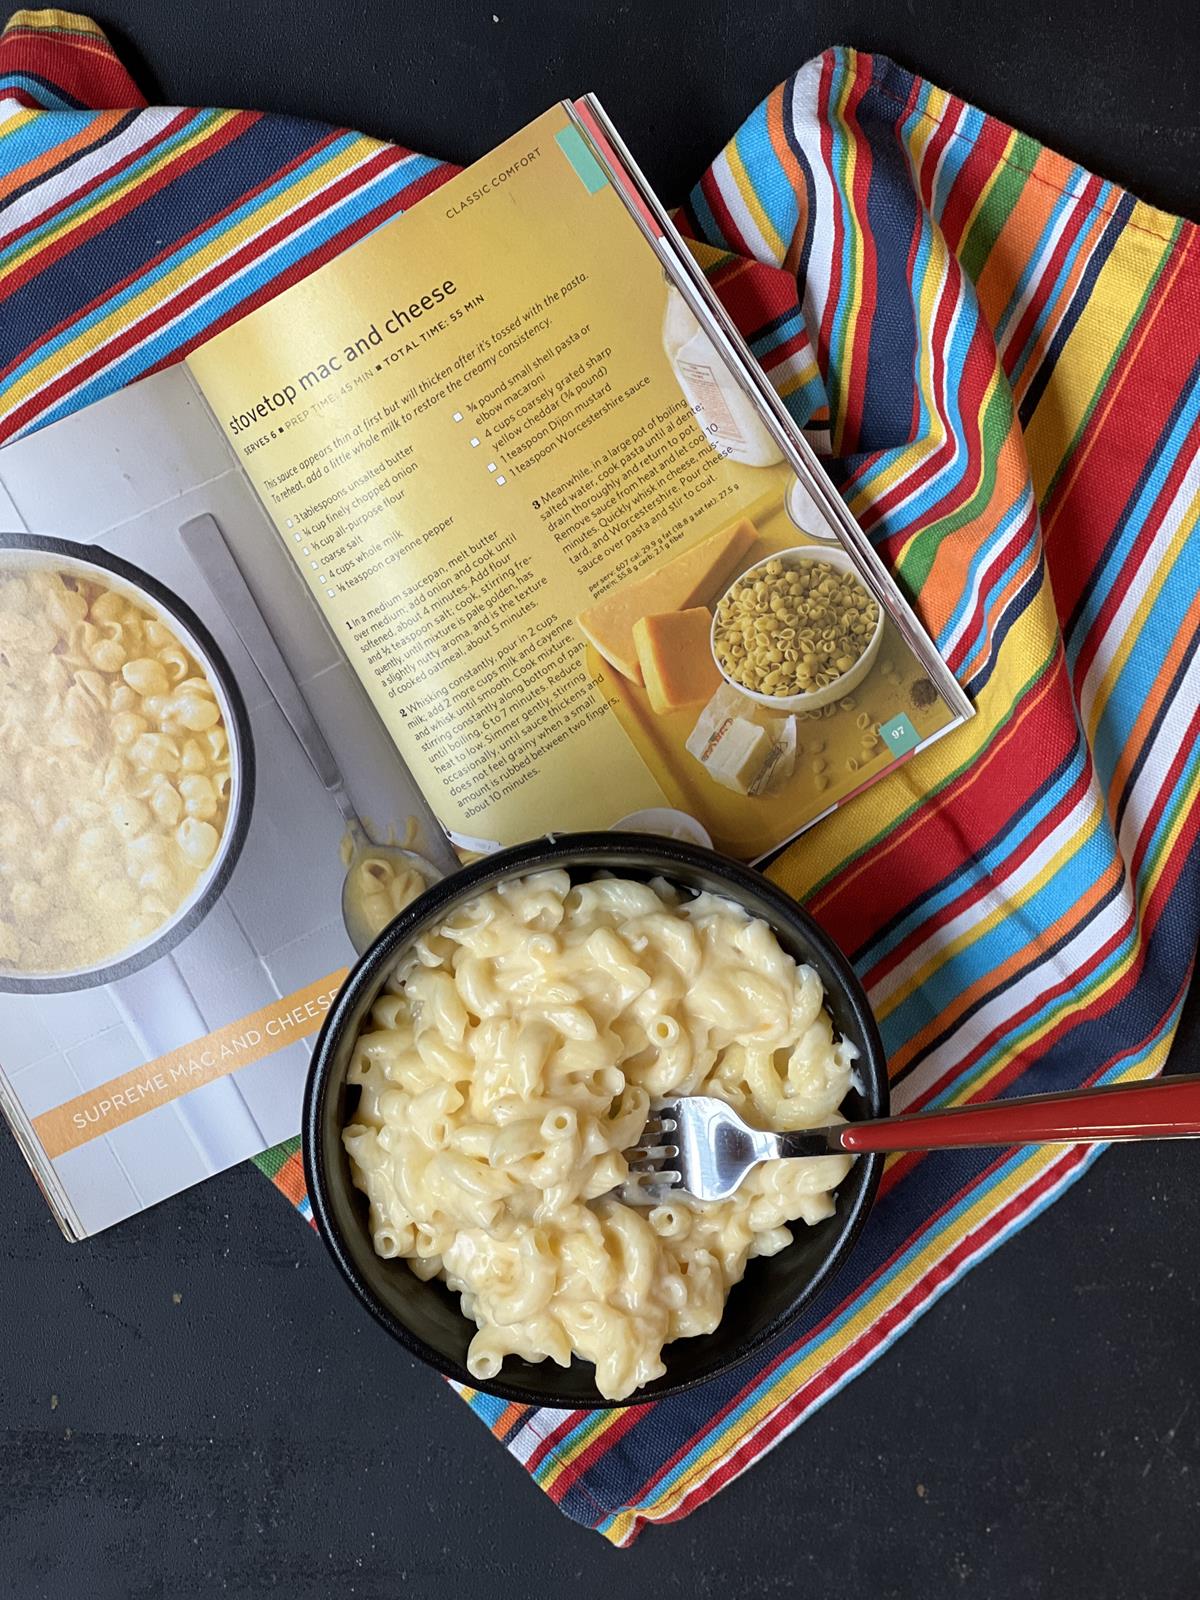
x=215, y=1055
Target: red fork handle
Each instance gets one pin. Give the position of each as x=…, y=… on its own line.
x=1168, y=1108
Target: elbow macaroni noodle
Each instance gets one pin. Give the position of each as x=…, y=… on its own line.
x=378, y=886
x=511, y=1060
x=379, y=889
x=114, y=772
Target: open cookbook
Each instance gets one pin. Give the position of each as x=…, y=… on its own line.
x=490, y=527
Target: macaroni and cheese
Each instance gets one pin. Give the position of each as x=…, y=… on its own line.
x=510, y=1062
x=378, y=887
x=379, y=883
x=114, y=771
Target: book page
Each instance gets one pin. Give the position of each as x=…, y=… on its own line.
x=159, y=1006
x=554, y=540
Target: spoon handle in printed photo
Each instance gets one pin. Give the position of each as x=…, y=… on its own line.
x=209, y=549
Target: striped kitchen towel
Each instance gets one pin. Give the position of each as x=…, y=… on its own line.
x=1000, y=353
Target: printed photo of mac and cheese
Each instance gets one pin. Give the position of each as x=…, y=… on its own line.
x=513, y=1060
x=115, y=777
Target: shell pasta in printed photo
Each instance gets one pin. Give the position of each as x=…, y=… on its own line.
x=116, y=777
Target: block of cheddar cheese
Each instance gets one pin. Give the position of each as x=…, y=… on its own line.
x=675, y=654
x=690, y=579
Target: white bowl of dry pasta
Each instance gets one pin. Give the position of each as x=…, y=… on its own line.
x=126, y=767
x=798, y=630
x=500, y=1045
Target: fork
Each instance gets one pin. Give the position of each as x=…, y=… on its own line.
x=699, y=1146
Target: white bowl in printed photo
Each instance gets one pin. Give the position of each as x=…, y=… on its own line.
x=841, y=686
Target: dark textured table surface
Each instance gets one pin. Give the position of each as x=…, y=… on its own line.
x=191, y=1405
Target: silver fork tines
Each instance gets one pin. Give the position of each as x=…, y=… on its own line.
x=656, y=1125
x=648, y=1187
x=652, y=1157
x=699, y=1146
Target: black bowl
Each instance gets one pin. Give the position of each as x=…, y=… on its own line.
x=425, y=1317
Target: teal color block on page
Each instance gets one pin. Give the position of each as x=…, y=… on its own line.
x=575, y=147
x=900, y=734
